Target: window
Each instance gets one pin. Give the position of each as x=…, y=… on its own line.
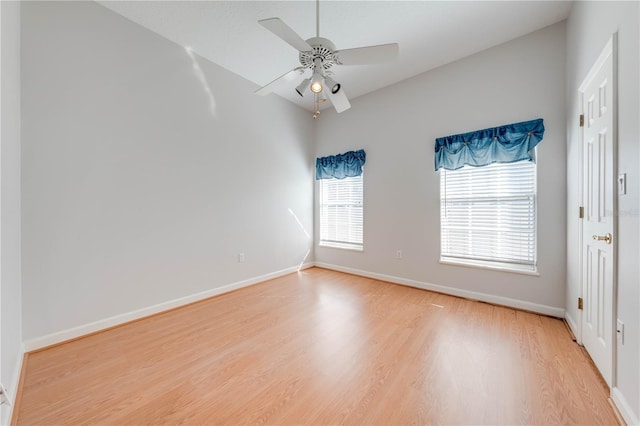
x=341, y=212
x=488, y=215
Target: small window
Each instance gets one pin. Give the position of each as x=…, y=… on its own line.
x=341, y=212
x=488, y=216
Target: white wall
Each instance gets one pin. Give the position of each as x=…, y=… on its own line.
x=145, y=172
x=517, y=81
x=589, y=27
x=129, y=145
x=10, y=290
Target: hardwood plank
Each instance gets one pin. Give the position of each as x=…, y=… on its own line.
x=320, y=347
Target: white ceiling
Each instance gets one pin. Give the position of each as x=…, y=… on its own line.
x=430, y=33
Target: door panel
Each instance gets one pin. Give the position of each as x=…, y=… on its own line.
x=599, y=197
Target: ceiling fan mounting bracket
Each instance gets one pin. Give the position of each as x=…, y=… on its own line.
x=323, y=49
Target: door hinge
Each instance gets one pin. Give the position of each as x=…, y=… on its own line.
x=581, y=120
x=580, y=303
x=581, y=213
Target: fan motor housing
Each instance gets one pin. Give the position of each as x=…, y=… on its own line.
x=323, y=49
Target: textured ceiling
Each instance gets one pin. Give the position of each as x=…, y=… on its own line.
x=430, y=33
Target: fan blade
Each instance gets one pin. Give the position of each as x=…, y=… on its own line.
x=368, y=54
x=282, y=30
x=278, y=82
x=339, y=100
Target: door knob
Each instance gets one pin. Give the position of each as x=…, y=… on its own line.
x=606, y=238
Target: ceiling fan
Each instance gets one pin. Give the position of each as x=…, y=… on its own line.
x=319, y=55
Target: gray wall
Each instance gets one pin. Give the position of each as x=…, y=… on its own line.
x=589, y=27
x=516, y=81
x=10, y=290
x=146, y=170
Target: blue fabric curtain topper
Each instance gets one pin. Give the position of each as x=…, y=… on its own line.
x=340, y=166
x=504, y=144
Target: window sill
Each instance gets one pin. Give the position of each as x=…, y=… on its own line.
x=343, y=246
x=494, y=266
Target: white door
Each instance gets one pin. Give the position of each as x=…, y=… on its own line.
x=598, y=93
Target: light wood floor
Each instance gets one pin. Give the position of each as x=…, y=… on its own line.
x=320, y=347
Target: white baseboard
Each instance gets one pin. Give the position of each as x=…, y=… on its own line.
x=498, y=300
x=7, y=410
x=83, y=330
x=624, y=408
x=573, y=325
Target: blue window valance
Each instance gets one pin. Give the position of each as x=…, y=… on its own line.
x=340, y=166
x=504, y=144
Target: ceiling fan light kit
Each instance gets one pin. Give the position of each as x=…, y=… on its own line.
x=316, y=83
x=303, y=86
x=332, y=85
x=319, y=55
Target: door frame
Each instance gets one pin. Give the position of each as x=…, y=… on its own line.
x=610, y=48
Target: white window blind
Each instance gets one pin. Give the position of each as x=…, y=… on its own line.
x=488, y=215
x=341, y=212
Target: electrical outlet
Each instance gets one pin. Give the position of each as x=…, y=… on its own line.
x=4, y=396
x=620, y=331
x=240, y=257
x=398, y=254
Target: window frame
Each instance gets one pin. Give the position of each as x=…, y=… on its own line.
x=494, y=264
x=344, y=244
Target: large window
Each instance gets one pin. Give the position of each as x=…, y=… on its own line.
x=488, y=215
x=341, y=212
